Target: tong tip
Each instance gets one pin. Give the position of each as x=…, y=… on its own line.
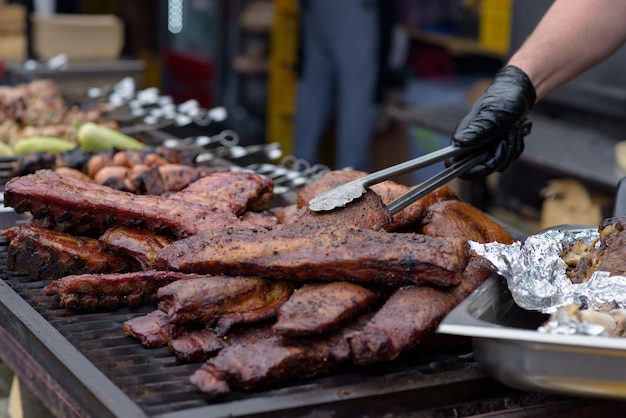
x=336, y=197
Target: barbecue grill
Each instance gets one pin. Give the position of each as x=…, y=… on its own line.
x=82, y=364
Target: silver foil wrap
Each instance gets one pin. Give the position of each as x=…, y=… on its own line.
x=535, y=272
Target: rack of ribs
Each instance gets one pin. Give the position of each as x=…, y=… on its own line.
x=305, y=253
x=222, y=301
x=110, y=291
x=454, y=218
x=44, y=254
x=65, y=203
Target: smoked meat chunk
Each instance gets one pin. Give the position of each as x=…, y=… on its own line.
x=43, y=254
x=64, y=203
x=301, y=253
x=139, y=244
x=230, y=191
x=320, y=308
x=110, y=291
x=411, y=314
x=223, y=301
x=388, y=191
x=462, y=220
x=608, y=253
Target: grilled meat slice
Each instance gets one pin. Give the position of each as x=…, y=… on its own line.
x=272, y=360
x=607, y=253
x=410, y=217
x=153, y=329
x=326, y=182
x=200, y=345
x=109, y=291
x=176, y=177
x=411, y=314
x=302, y=253
x=368, y=212
x=320, y=308
x=140, y=244
x=223, y=301
x=459, y=219
x=262, y=364
x=283, y=213
x=388, y=191
x=265, y=218
x=43, y=254
x=67, y=204
x=230, y=191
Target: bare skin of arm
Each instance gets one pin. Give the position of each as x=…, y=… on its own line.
x=572, y=37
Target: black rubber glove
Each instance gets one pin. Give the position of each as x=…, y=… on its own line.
x=493, y=120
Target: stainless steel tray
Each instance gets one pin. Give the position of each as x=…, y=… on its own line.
x=511, y=351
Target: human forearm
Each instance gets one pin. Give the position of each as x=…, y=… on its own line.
x=573, y=36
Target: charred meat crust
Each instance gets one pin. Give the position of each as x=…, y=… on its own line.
x=45, y=254
x=110, y=291
x=222, y=301
x=300, y=253
x=67, y=204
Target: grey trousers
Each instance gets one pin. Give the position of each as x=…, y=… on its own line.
x=340, y=66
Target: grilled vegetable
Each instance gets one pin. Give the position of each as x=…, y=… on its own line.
x=43, y=144
x=6, y=150
x=94, y=137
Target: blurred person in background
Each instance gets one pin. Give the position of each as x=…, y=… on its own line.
x=344, y=48
x=572, y=37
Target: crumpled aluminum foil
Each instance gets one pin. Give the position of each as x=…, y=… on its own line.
x=535, y=272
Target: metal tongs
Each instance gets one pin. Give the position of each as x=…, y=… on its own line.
x=341, y=195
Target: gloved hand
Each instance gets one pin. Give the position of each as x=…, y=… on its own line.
x=492, y=122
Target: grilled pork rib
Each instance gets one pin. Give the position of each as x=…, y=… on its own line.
x=153, y=329
x=43, y=254
x=459, y=219
x=270, y=361
x=368, y=212
x=223, y=301
x=411, y=314
x=197, y=345
x=320, y=308
x=140, y=244
x=234, y=192
x=388, y=191
x=302, y=253
x=200, y=345
x=95, y=291
x=67, y=204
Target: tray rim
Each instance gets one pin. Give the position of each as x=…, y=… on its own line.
x=461, y=321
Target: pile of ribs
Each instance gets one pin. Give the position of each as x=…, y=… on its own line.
x=257, y=294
